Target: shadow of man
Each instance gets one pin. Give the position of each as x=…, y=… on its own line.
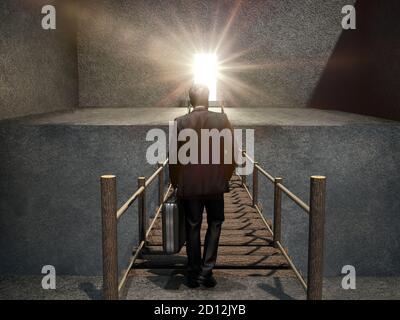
x=90, y=289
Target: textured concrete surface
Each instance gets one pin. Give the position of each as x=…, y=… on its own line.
x=38, y=67
x=361, y=163
x=139, y=52
x=49, y=186
x=50, y=194
x=160, y=116
x=161, y=287
x=362, y=73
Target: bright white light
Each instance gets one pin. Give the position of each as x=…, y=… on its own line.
x=205, y=72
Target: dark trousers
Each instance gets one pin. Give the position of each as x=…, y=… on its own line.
x=193, y=217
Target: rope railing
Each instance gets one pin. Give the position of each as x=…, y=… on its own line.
x=110, y=217
x=265, y=173
x=128, y=203
x=277, y=243
x=141, y=245
x=316, y=212
x=295, y=199
x=156, y=173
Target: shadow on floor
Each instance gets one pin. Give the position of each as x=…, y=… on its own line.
x=90, y=289
x=176, y=279
x=277, y=290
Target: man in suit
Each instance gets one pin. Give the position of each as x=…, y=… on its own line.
x=202, y=185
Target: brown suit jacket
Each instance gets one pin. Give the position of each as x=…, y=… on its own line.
x=203, y=180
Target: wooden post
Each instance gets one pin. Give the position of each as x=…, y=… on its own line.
x=109, y=236
x=160, y=185
x=244, y=176
x=142, y=210
x=316, y=237
x=277, y=211
x=255, y=185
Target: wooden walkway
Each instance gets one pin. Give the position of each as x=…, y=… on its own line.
x=245, y=246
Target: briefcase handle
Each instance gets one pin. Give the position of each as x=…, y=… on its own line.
x=174, y=195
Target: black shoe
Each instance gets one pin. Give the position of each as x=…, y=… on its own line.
x=192, y=282
x=207, y=281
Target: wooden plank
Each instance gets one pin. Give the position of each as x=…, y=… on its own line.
x=223, y=261
x=240, y=217
x=230, y=223
x=253, y=224
x=237, y=273
x=227, y=232
x=235, y=195
x=223, y=250
x=238, y=213
x=238, y=210
x=256, y=220
x=239, y=196
x=225, y=240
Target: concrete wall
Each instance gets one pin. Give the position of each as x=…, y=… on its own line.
x=50, y=195
x=362, y=73
x=38, y=67
x=362, y=208
x=139, y=52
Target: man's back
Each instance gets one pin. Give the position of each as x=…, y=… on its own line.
x=201, y=177
x=204, y=178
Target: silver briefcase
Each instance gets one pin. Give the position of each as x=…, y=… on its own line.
x=173, y=226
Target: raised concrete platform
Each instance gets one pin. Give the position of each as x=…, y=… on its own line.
x=161, y=116
x=50, y=168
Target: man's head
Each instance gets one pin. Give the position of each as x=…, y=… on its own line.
x=198, y=95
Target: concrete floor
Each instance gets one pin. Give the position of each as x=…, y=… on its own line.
x=167, y=287
x=238, y=116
